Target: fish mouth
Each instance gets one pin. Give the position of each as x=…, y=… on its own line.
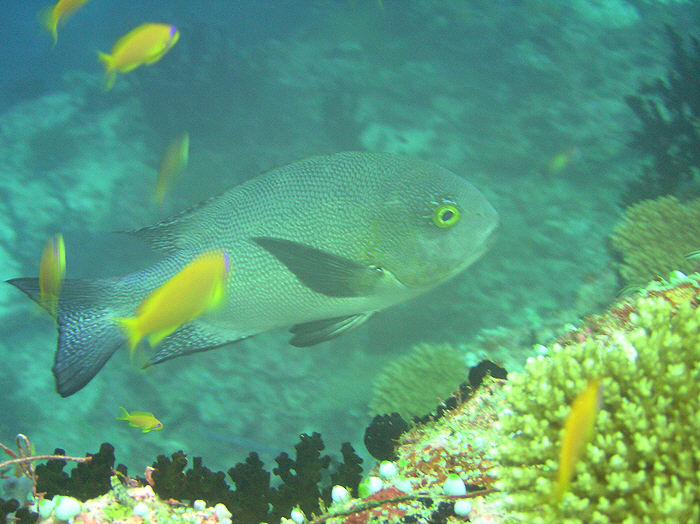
x=492, y=236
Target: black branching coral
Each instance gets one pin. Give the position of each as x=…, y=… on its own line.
x=87, y=480
x=669, y=111
x=300, y=477
x=250, y=501
x=304, y=480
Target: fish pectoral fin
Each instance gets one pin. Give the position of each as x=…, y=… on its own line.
x=155, y=337
x=323, y=272
x=153, y=59
x=311, y=333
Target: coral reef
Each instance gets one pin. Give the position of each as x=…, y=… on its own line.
x=438, y=463
x=381, y=434
x=654, y=237
x=87, y=480
x=300, y=477
x=412, y=384
x=669, y=110
x=641, y=463
x=490, y=452
x=137, y=504
x=303, y=483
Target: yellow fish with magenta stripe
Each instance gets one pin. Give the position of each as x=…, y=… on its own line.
x=144, y=421
x=144, y=45
x=578, y=431
x=318, y=246
x=57, y=15
x=52, y=270
x=173, y=163
x=198, y=287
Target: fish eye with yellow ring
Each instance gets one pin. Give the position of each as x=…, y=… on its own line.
x=446, y=214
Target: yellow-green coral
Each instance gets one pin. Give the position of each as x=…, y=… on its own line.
x=653, y=238
x=643, y=463
x=414, y=384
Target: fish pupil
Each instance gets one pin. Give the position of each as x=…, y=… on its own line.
x=447, y=215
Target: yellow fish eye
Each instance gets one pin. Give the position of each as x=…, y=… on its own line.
x=446, y=215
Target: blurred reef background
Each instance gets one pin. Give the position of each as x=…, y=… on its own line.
x=569, y=116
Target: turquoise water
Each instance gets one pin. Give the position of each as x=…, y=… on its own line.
x=493, y=91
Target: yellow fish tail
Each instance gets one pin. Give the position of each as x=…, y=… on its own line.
x=54, y=35
x=110, y=78
x=159, y=196
x=560, y=487
x=50, y=304
x=107, y=60
x=132, y=330
x=49, y=20
x=125, y=414
x=110, y=73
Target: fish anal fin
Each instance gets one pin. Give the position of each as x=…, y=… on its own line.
x=194, y=337
x=311, y=333
x=323, y=272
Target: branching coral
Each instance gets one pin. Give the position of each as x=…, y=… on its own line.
x=642, y=464
x=414, y=384
x=653, y=238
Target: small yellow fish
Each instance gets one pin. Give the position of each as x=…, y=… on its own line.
x=58, y=14
x=144, y=421
x=199, y=287
x=173, y=163
x=578, y=430
x=52, y=269
x=561, y=161
x=144, y=45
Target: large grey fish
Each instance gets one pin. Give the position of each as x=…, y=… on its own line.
x=319, y=245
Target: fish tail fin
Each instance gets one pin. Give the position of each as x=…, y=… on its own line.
x=125, y=414
x=159, y=195
x=107, y=60
x=87, y=337
x=561, y=485
x=50, y=22
x=131, y=328
x=110, y=73
x=110, y=78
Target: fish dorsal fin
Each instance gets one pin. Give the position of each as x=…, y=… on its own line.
x=318, y=331
x=170, y=235
x=164, y=236
x=323, y=272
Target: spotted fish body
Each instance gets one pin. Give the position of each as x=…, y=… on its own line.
x=319, y=245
